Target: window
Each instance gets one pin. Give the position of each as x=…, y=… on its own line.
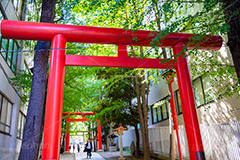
x=160, y=110
x=9, y=50
x=202, y=92
x=21, y=124
x=165, y=110
x=154, y=110
x=10, y=56
x=16, y=4
x=177, y=101
x=207, y=89
x=198, y=91
x=5, y=114
x=159, y=113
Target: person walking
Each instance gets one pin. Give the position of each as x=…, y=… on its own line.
x=88, y=146
x=78, y=145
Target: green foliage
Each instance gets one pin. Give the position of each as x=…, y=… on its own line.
x=23, y=81
x=81, y=89
x=115, y=105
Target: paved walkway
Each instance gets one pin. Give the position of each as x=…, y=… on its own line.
x=95, y=156
x=67, y=156
x=83, y=156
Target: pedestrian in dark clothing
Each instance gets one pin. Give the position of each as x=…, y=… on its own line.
x=89, y=147
x=78, y=145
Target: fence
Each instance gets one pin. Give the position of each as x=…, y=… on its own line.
x=220, y=141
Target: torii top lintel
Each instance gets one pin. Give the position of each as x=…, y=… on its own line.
x=85, y=34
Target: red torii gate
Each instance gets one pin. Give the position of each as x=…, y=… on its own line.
x=61, y=34
x=83, y=119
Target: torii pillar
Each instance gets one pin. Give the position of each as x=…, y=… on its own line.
x=99, y=136
x=67, y=134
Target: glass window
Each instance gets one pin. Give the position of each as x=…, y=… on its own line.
x=208, y=92
x=10, y=48
x=176, y=102
x=1, y=16
x=14, y=57
x=9, y=117
x=0, y=102
x=164, y=111
x=22, y=125
x=154, y=115
x=179, y=102
x=159, y=113
x=168, y=106
x=19, y=125
x=3, y=114
x=4, y=44
x=10, y=57
x=10, y=45
x=198, y=92
x=16, y=4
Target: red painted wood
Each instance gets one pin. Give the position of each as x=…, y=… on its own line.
x=53, y=117
x=170, y=80
x=99, y=136
x=189, y=109
x=86, y=34
x=67, y=134
x=121, y=62
x=80, y=120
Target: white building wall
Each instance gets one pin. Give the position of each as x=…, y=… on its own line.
x=217, y=123
x=10, y=145
x=128, y=138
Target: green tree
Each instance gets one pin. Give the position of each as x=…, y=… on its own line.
x=115, y=106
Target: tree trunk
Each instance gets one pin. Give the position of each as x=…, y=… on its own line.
x=145, y=116
x=231, y=11
x=137, y=140
x=105, y=139
x=89, y=128
x=172, y=153
x=32, y=134
x=143, y=122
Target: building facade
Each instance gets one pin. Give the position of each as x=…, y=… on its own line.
x=219, y=118
x=12, y=112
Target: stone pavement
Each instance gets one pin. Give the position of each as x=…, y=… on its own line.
x=67, y=156
x=83, y=156
x=112, y=155
x=95, y=156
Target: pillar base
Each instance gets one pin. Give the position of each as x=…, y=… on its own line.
x=100, y=150
x=121, y=158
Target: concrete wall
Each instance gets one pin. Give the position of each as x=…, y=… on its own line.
x=128, y=137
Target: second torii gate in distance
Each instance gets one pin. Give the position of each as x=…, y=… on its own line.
x=83, y=119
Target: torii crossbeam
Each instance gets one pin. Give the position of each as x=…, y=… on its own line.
x=61, y=34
